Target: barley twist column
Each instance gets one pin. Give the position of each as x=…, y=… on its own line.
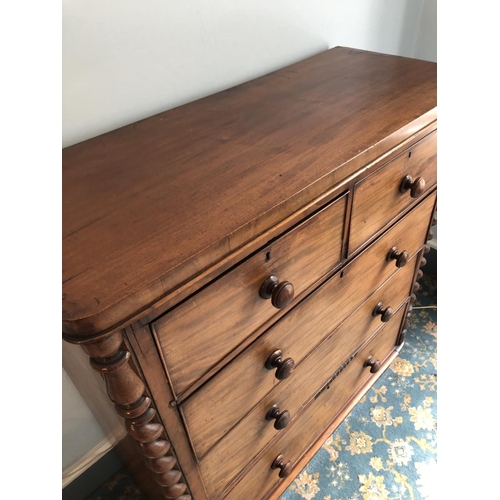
x=126, y=390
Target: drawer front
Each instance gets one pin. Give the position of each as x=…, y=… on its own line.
x=226, y=398
x=317, y=416
x=254, y=431
x=205, y=328
x=378, y=199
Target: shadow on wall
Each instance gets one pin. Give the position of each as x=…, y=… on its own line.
x=426, y=44
x=113, y=77
x=417, y=33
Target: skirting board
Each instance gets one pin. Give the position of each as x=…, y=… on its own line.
x=87, y=460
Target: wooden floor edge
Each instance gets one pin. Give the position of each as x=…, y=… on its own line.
x=319, y=441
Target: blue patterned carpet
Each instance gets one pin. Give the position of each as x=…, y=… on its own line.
x=386, y=448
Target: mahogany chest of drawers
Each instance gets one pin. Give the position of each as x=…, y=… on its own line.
x=240, y=269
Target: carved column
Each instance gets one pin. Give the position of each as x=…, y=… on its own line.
x=126, y=390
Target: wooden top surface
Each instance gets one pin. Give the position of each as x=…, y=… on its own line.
x=151, y=204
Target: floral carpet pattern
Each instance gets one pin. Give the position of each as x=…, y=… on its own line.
x=386, y=449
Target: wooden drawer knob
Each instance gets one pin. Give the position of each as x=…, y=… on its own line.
x=285, y=469
x=284, y=366
x=374, y=365
x=386, y=313
x=427, y=248
x=281, y=294
x=423, y=262
x=282, y=418
x=416, y=286
x=420, y=273
x=430, y=235
x=416, y=187
x=401, y=258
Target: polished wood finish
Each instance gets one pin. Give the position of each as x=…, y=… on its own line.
x=284, y=366
x=318, y=415
x=416, y=187
x=298, y=333
x=285, y=468
x=386, y=313
x=241, y=269
x=224, y=314
x=282, y=418
x=253, y=432
x=91, y=386
x=280, y=293
x=381, y=190
x=139, y=179
x=373, y=364
x=327, y=431
x=146, y=356
x=126, y=390
x=401, y=258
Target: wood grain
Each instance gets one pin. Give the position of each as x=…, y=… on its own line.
x=147, y=358
x=377, y=198
x=150, y=205
x=299, y=435
x=127, y=391
x=241, y=385
x=254, y=431
x=318, y=181
x=327, y=431
x=209, y=325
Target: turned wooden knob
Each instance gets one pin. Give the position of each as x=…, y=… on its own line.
x=434, y=220
x=386, y=313
x=281, y=294
x=416, y=187
x=427, y=248
x=409, y=311
x=416, y=286
x=423, y=262
x=420, y=273
x=284, y=366
x=285, y=469
x=413, y=298
x=374, y=365
x=282, y=418
x=430, y=235
x=401, y=258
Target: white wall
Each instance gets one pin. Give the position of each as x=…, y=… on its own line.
x=425, y=44
x=80, y=432
x=125, y=60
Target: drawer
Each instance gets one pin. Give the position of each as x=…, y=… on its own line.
x=378, y=199
x=254, y=431
x=328, y=402
x=228, y=396
x=206, y=327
